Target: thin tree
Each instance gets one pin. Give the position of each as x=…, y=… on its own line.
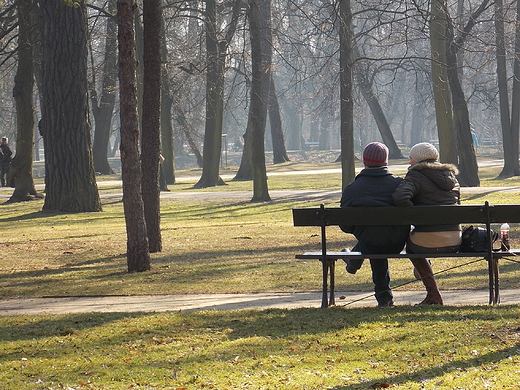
x=216, y=53
x=20, y=173
x=151, y=123
x=138, y=255
x=346, y=54
x=70, y=182
x=260, y=35
x=439, y=41
x=103, y=104
x=509, y=139
x=275, y=121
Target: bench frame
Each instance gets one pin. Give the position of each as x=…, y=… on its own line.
x=415, y=215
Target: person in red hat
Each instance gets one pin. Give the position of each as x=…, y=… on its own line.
x=374, y=186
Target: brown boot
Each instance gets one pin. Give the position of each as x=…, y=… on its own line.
x=424, y=268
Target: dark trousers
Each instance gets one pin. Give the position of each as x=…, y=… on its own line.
x=4, y=170
x=380, y=272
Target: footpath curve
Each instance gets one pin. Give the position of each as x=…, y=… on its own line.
x=190, y=302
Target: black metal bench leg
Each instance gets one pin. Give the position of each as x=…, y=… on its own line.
x=496, y=277
x=491, y=281
x=324, y=299
x=332, y=267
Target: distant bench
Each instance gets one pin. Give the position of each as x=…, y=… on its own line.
x=415, y=215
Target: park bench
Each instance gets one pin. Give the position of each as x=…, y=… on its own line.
x=415, y=215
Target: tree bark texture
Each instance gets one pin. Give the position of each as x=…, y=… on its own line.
x=441, y=90
x=70, y=182
x=275, y=120
x=507, y=136
x=261, y=38
x=245, y=171
x=515, y=99
x=151, y=124
x=167, y=149
x=216, y=53
x=346, y=38
x=103, y=106
x=468, y=166
x=20, y=172
x=138, y=255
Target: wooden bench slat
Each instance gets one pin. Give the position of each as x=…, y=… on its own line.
x=414, y=215
x=402, y=255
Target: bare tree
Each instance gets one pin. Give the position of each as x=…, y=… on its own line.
x=260, y=35
x=151, y=140
x=20, y=173
x=138, y=255
x=103, y=104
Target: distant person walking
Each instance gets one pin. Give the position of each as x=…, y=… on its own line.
x=5, y=160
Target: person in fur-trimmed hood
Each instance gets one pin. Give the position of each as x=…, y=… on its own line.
x=429, y=182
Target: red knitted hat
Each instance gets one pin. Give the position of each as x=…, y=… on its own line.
x=375, y=154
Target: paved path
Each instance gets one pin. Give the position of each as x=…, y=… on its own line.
x=191, y=302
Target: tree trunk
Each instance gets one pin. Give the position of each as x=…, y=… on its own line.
x=510, y=160
x=279, y=151
x=103, y=107
x=20, y=171
x=468, y=166
x=138, y=255
x=245, y=171
x=167, y=150
x=216, y=52
x=515, y=99
x=417, y=130
x=379, y=116
x=441, y=90
x=69, y=170
x=188, y=131
x=346, y=39
x=294, y=128
x=260, y=34
x=151, y=123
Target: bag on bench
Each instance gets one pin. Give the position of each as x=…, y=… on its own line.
x=474, y=239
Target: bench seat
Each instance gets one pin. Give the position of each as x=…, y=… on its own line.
x=486, y=215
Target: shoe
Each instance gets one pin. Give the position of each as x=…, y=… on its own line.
x=350, y=268
x=386, y=304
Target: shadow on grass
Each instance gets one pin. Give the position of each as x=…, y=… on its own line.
x=288, y=335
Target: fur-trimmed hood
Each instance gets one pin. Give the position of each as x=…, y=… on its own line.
x=434, y=165
x=443, y=175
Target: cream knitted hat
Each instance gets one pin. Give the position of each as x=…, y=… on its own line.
x=423, y=151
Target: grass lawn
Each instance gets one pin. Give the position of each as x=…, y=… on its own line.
x=230, y=247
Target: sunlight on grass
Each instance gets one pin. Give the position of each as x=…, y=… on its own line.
x=366, y=348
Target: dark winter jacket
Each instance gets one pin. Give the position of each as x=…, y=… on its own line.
x=5, y=156
x=374, y=187
x=429, y=183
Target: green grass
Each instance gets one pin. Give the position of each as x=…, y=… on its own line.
x=230, y=247
x=402, y=348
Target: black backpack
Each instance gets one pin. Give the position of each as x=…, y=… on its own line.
x=474, y=239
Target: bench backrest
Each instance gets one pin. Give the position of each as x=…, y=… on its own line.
x=413, y=215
